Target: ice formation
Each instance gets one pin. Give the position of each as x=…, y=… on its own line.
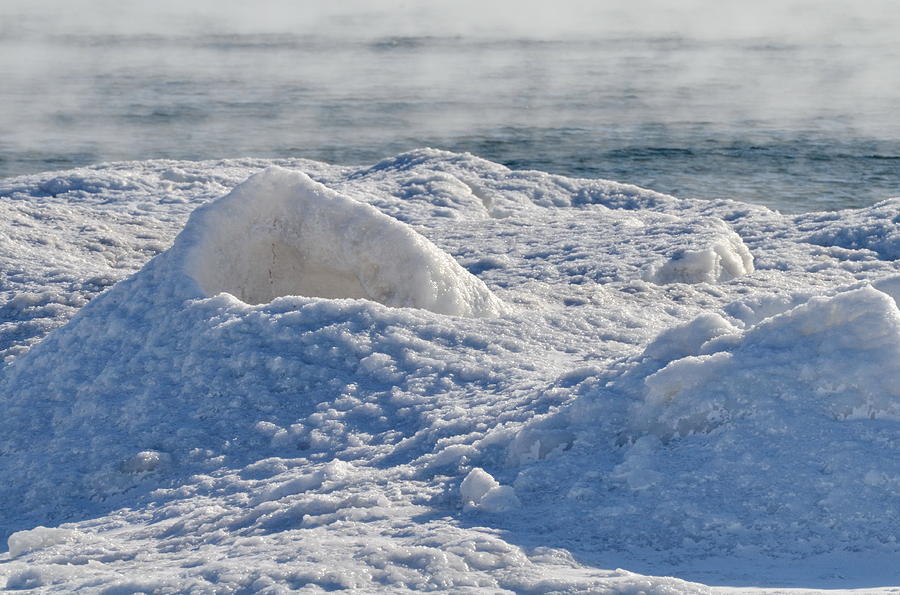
x=482, y=492
x=726, y=258
x=280, y=234
x=435, y=373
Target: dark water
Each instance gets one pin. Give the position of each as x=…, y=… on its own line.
x=796, y=126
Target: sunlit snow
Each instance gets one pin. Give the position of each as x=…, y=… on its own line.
x=438, y=373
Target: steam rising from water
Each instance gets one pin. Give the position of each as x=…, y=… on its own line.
x=837, y=21
x=786, y=103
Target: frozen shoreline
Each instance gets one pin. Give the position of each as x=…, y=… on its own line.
x=703, y=389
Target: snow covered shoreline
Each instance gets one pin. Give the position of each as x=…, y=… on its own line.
x=443, y=374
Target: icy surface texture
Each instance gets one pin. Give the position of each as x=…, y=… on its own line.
x=437, y=373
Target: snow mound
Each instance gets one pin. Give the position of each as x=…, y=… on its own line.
x=725, y=258
x=778, y=440
x=837, y=356
x=280, y=233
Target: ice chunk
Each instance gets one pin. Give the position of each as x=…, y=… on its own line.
x=476, y=484
x=38, y=538
x=724, y=259
x=479, y=490
x=280, y=233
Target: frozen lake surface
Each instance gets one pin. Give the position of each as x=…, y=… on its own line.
x=436, y=373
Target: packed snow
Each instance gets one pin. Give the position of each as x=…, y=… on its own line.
x=436, y=373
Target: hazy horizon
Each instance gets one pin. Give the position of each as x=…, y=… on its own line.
x=565, y=87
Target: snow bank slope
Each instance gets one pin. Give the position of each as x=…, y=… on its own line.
x=280, y=233
x=777, y=441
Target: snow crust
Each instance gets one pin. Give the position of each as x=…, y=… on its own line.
x=435, y=373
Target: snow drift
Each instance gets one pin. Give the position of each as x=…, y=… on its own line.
x=838, y=357
x=280, y=233
x=737, y=441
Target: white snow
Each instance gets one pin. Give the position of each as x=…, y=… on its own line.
x=840, y=355
x=36, y=539
x=435, y=373
x=726, y=258
x=482, y=492
x=282, y=234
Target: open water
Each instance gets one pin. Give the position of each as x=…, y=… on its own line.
x=795, y=125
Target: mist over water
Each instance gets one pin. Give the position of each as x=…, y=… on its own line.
x=792, y=105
